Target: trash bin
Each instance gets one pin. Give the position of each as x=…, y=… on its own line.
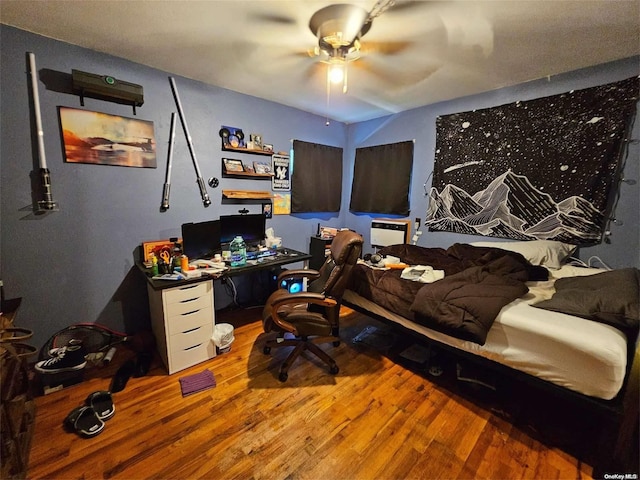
x=223, y=337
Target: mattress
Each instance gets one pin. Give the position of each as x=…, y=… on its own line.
x=581, y=355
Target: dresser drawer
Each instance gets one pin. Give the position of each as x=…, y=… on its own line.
x=187, y=292
x=191, y=347
x=187, y=357
x=188, y=305
x=190, y=338
x=177, y=324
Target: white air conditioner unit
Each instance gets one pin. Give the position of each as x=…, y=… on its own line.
x=386, y=232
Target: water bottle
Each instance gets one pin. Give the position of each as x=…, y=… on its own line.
x=238, y=252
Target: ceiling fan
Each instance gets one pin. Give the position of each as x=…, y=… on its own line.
x=339, y=29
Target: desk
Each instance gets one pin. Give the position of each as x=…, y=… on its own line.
x=281, y=258
x=183, y=313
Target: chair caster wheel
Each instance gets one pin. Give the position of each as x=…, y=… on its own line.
x=266, y=350
x=334, y=370
x=336, y=343
x=283, y=376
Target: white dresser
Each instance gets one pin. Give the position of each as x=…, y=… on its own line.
x=183, y=319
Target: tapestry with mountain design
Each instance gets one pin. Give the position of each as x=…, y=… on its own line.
x=538, y=169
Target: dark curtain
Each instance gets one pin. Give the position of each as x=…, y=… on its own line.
x=316, y=182
x=381, y=179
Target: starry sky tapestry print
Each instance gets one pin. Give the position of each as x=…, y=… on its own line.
x=537, y=169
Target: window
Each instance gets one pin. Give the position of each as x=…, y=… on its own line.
x=381, y=179
x=316, y=181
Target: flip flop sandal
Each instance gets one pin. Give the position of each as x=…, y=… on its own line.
x=84, y=421
x=102, y=404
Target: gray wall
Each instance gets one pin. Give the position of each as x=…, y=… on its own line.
x=77, y=264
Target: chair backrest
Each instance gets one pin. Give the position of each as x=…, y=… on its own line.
x=346, y=248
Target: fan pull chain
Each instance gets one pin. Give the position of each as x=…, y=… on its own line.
x=328, y=93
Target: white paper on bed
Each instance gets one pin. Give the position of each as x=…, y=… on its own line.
x=578, y=354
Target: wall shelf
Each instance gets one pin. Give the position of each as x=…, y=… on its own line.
x=246, y=196
x=247, y=175
x=227, y=148
x=231, y=173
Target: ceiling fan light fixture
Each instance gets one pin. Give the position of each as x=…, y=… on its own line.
x=336, y=72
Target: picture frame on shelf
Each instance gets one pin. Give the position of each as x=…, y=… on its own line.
x=232, y=165
x=256, y=140
x=267, y=147
x=248, y=168
x=262, y=168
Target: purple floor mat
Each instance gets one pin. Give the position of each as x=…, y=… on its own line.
x=197, y=383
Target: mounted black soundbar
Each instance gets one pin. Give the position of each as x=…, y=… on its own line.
x=105, y=87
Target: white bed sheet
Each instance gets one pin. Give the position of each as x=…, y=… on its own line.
x=581, y=355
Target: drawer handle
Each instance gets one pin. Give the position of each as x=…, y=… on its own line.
x=187, y=287
x=190, y=313
x=191, y=348
x=189, y=300
x=191, y=330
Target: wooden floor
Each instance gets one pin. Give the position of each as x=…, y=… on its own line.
x=375, y=419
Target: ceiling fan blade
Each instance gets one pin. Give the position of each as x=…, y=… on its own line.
x=396, y=76
x=314, y=70
x=275, y=18
x=385, y=48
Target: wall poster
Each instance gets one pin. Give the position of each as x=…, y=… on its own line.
x=100, y=138
x=281, y=180
x=281, y=203
x=538, y=169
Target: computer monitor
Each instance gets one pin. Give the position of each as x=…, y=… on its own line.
x=201, y=240
x=250, y=227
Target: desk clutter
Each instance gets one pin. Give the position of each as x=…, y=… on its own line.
x=212, y=247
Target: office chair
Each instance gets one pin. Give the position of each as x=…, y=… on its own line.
x=312, y=316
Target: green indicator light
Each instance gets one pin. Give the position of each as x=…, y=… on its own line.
x=110, y=80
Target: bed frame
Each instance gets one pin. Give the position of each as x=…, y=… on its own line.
x=617, y=449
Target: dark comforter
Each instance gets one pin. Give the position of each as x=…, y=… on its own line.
x=478, y=282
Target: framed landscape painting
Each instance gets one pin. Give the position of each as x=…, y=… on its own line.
x=100, y=138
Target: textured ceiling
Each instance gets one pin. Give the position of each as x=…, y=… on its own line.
x=416, y=53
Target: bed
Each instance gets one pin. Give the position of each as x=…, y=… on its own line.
x=552, y=344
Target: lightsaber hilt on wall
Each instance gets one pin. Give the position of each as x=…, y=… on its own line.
x=167, y=181
x=201, y=185
x=46, y=203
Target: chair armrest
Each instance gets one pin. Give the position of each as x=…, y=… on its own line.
x=296, y=299
x=304, y=297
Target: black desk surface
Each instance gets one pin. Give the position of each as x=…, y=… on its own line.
x=283, y=257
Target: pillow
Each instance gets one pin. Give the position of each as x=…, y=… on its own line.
x=547, y=253
x=610, y=297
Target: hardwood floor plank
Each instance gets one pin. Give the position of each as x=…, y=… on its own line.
x=376, y=419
